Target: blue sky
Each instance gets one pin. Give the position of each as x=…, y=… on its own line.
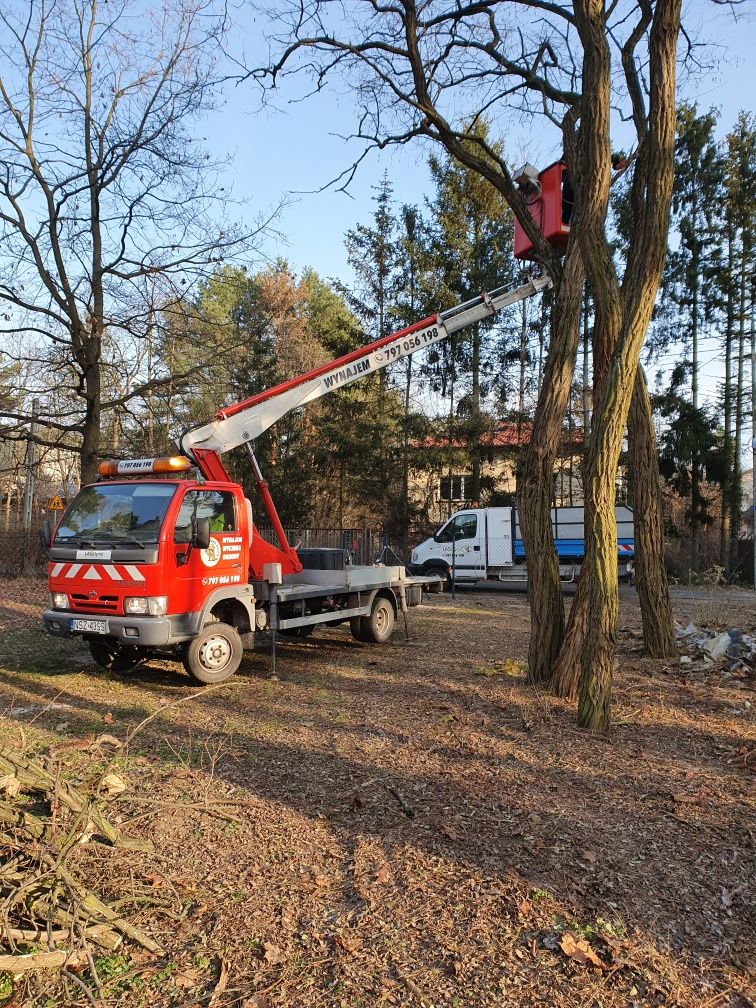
x=293, y=151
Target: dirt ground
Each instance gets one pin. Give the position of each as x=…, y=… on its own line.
x=410, y=824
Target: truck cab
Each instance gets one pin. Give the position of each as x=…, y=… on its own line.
x=140, y=563
x=471, y=542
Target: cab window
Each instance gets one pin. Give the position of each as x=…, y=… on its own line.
x=463, y=526
x=215, y=505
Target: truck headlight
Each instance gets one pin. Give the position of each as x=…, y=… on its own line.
x=414, y=556
x=141, y=605
x=58, y=600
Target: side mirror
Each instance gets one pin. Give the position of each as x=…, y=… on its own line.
x=201, y=533
x=45, y=534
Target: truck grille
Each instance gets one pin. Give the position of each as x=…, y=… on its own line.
x=102, y=603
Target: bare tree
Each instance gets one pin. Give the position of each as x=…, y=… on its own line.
x=107, y=202
x=427, y=71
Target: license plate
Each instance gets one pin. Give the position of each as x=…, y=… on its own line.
x=90, y=625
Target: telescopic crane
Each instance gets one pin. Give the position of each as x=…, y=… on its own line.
x=245, y=421
x=175, y=566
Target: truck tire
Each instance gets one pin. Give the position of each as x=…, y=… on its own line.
x=114, y=657
x=379, y=625
x=357, y=626
x=214, y=654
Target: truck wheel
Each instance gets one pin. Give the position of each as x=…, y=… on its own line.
x=214, y=654
x=379, y=625
x=113, y=656
x=357, y=626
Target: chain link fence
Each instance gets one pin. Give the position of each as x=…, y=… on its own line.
x=22, y=553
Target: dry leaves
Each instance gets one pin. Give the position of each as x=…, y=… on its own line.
x=693, y=798
x=580, y=951
x=508, y=667
x=256, y=1001
x=273, y=954
x=112, y=784
x=448, y=831
x=10, y=785
x=383, y=875
x=350, y=943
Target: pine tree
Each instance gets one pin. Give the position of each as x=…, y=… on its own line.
x=690, y=293
x=472, y=249
x=740, y=227
x=373, y=254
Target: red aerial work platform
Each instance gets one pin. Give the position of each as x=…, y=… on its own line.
x=550, y=205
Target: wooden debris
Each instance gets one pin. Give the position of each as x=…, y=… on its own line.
x=41, y=822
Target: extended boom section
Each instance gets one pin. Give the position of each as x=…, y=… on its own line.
x=147, y=566
x=247, y=420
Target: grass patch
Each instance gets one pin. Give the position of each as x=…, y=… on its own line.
x=34, y=651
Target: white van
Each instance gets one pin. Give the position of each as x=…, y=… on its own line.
x=481, y=543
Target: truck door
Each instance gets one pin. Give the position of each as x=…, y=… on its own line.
x=222, y=563
x=462, y=544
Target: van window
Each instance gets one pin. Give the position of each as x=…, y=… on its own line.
x=464, y=526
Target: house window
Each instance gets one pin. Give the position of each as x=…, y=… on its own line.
x=455, y=488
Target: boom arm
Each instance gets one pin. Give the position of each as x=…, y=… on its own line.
x=247, y=420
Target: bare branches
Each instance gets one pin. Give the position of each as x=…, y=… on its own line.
x=105, y=197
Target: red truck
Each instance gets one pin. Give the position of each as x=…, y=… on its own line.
x=163, y=557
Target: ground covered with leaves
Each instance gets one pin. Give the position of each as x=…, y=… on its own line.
x=410, y=824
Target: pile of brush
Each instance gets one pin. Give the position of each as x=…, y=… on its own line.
x=48, y=918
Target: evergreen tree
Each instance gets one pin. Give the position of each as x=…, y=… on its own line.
x=737, y=281
x=373, y=253
x=688, y=433
x=690, y=293
x=472, y=252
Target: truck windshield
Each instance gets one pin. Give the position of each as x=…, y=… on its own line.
x=116, y=513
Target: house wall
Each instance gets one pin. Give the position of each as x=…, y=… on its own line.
x=429, y=488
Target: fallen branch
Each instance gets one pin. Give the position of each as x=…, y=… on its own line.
x=41, y=961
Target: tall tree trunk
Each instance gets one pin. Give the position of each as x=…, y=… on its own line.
x=544, y=588
x=90, y=439
x=565, y=678
x=737, y=469
x=622, y=316
x=586, y=370
x=651, y=575
x=695, y=464
x=727, y=454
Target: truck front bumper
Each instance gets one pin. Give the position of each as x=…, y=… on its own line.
x=140, y=631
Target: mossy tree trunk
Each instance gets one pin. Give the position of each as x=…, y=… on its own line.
x=623, y=312
x=650, y=572
x=534, y=503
